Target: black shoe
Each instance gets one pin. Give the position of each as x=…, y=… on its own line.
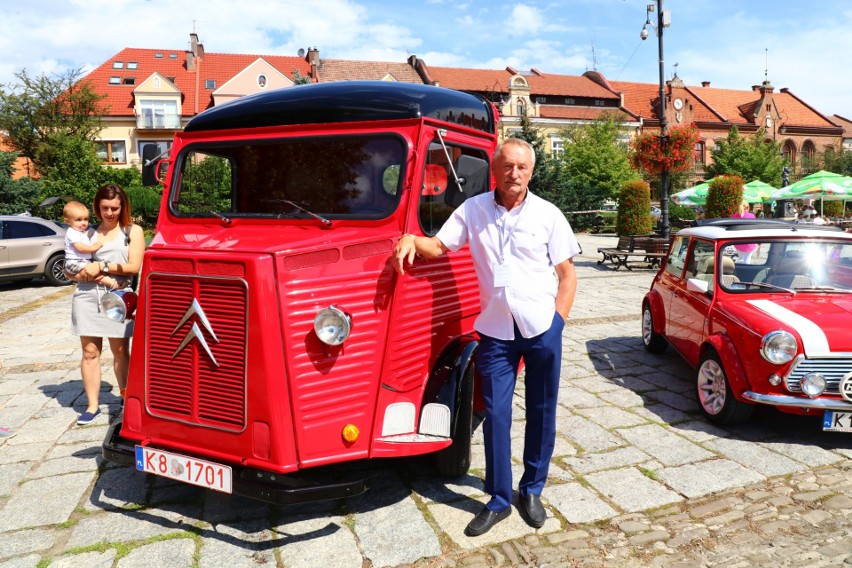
x=486, y=519
x=531, y=510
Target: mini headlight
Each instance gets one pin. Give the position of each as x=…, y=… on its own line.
x=778, y=347
x=332, y=326
x=813, y=384
x=119, y=305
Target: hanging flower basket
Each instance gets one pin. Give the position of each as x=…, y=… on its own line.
x=649, y=153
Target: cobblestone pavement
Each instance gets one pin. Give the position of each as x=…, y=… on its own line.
x=638, y=477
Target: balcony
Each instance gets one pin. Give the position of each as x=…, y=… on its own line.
x=160, y=121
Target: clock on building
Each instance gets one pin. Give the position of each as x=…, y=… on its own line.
x=678, y=104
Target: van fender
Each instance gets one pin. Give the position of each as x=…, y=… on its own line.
x=445, y=385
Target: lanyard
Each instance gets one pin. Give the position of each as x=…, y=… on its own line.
x=501, y=242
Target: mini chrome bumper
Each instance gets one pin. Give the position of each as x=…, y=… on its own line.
x=800, y=402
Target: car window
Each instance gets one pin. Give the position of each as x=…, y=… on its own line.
x=26, y=229
x=703, y=262
x=677, y=257
x=440, y=195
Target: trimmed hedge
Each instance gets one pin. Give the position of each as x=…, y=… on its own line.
x=634, y=209
x=724, y=197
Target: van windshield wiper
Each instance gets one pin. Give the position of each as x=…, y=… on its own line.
x=324, y=221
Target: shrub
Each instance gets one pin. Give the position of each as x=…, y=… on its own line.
x=830, y=208
x=144, y=204
x=724, y=196
x=634, y=209
x=680, y=212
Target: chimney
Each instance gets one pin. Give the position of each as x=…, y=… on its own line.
x=190, y=60
x=766, y=87
x=313, y=59
x=705, y=83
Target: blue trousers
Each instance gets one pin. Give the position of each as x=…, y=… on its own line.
x=497, y=361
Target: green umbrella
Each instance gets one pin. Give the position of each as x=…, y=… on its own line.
x=695, y=195
x=820, y=185
x=757, y=191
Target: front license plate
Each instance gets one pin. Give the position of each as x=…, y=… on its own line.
x=184, y=468
x=833, y=421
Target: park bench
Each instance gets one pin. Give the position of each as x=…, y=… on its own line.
x=650, y=249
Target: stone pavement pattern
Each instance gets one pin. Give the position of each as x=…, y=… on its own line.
x=638, y=477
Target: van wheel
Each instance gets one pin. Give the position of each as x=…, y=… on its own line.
x=654, y=342
x=455, y=460
x=715, y=396
x=54, y=271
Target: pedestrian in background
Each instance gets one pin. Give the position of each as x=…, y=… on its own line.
x=119, y=258
x=522, y=248
x=744, y=250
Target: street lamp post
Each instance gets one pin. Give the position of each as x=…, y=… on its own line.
x=662, y=22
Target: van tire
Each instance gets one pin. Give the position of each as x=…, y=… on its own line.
x=454, y=461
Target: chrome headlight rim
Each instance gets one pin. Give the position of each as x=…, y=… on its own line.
x=332, y=325
x=779, y=347
x=119, y=305
x=813, y=384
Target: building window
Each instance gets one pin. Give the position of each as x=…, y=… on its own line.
x=569, y=101
x=699, y=153
x=118, y=64
x=521, y=108
x=210, y=84
x=600, y=102
x=173, y=56
x=156, y=82
x=129, y=81
x=132, y=65
x=158, y=55
x=789, y=152
x=808, y=154
x=556, y=147
x=261, y=81
x=155, y=113
x=159, y=147
x=111, y=151
x=115, y=80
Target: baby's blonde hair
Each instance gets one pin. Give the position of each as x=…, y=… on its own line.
x=73, y=207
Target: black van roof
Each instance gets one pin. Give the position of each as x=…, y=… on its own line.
x=347, y=101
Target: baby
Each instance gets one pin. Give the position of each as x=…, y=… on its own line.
x=80, y=242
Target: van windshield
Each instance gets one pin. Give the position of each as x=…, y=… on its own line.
x=300, y=178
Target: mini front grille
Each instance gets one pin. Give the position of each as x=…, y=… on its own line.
x=832, y=369
x=195, y=364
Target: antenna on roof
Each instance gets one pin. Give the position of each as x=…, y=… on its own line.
x=766, y=64
x=594, y=57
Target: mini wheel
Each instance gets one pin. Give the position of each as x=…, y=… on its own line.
x=654, y=342
x=715, y=396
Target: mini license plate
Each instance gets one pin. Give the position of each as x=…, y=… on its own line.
x=184, y=468
x=833, y=421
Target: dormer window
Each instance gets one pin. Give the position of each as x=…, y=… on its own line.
x=158, y=55
x=173, y=56
x=132, y=65
x=261, y=81
x=128, y=81
x=115, y=80
x=118, y=64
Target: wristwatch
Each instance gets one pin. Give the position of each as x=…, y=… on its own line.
x=106, y=268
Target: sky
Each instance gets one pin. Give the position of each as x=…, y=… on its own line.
x=803, y=46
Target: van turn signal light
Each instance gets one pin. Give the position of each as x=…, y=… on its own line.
x=351, y=433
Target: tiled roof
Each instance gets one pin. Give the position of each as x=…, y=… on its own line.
x=844, y=123
x=493, y=80
x=348, y=70
x=219, y=67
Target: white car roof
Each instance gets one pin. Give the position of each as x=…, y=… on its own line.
x=715, y=229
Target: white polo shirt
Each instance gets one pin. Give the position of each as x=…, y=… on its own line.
x=535, y=238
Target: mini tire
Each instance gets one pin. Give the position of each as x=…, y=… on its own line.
x=653, y=341
x=54, y=271
x=715, y=397
x=454, y=461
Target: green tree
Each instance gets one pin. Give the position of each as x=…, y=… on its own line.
x=751, y=158
x=531, y=134
x=595, y=161
x=71, y=167
x=837, y=160
x=37, y=111
x=16, y=196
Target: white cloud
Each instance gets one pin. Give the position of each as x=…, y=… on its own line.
x=523, y=20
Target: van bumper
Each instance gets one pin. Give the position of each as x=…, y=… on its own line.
x=262, y=485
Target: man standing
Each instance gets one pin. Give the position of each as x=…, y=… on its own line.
x=522, y=248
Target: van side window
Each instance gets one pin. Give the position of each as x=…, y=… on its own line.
x=677, y=258
x=439, y=193
x=338, y=177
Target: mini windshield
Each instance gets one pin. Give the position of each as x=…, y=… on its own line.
x=330, y=177
x=797, y=265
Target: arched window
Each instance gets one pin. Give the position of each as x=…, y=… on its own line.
x=521, y=107
x=699, y=153
x=789, y=152
x=808, y=155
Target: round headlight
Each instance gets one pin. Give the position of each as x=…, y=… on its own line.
x=118, y=305
x=813, y=384
x=778, y=347
x=332, y=326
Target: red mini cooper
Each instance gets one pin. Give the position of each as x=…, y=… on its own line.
x=761, y=308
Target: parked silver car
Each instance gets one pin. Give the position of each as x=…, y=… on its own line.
x=31, y=247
